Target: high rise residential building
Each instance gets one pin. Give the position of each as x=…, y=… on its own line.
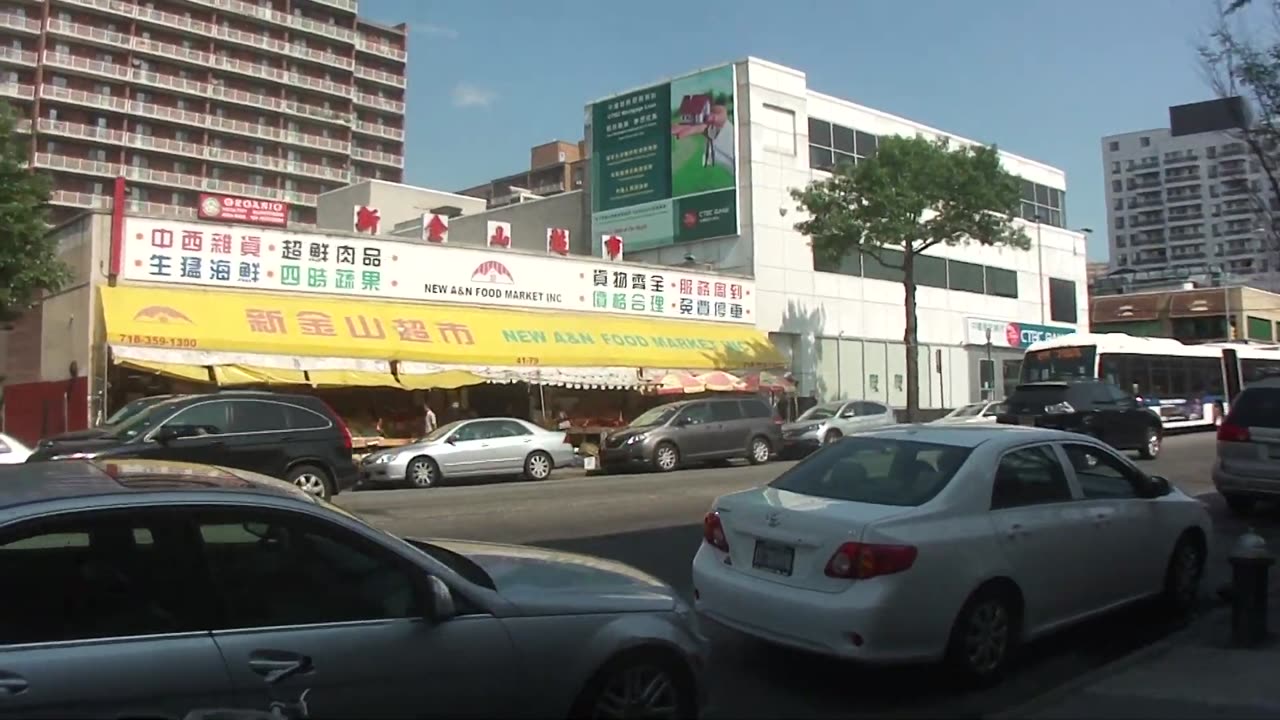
x=1191, y=198
x=273, y=99
x=554, y=168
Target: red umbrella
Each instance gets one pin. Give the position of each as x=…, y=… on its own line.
x=678, y=383
x=770, y=382
x=721, y=381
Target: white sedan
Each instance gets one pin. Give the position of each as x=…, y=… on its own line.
x=979, y=413
x=12, y=451
x=923, y=544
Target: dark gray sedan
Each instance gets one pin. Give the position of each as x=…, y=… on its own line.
x=149, y=589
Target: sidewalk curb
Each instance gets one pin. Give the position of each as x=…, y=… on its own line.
x=1160, y=647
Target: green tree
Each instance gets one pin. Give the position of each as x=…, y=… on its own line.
x=29, y=263
x=913, y=195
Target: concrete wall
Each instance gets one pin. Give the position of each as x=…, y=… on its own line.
x=395, y=203
x=529, y=222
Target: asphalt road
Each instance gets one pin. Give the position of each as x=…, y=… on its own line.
x=653, y=522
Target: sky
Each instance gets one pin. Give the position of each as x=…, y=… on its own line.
x=1045, y=79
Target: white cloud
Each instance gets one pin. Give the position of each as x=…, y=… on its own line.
x=439, y=31
x=468, y=95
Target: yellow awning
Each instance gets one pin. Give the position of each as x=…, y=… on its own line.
x=440, y=381
x=247, y=375
x=277, y=324
x=351, y=378
x=198, y=373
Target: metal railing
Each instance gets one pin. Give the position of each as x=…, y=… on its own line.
x=20, y=57
x=80, y=130
x=97, y=67
x=376, y=48
x=80, y=165
x=14, y=21
x=369, y=128
x=79, y=199
x=377, y=156
x=381, y=76
x=17, y=90
x=81, y=97
x=82, y=31
x=381, y=103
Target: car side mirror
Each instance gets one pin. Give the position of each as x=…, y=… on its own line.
x=1158, y=486
x=847, y=414
x=451, y=440
x=684, y=422
x=440, y=604
x=166, y=435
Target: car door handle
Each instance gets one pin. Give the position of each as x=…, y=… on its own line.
x=1101, y=516
x=12, y=684
x=275, y=666
x=1015, y=530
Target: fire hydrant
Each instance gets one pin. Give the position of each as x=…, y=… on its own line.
x=1251, y=563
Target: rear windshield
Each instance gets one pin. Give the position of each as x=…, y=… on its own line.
x=1037, y=396
x=878, y=471
x=1256, y=407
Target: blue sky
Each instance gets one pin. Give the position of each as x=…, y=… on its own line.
x=1041, y=78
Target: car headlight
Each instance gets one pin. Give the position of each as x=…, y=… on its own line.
x=636, y=438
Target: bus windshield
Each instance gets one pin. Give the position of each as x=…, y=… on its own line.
x=1064, y=363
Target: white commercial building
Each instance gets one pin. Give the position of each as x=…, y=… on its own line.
x=1189, y=199
x=842, y=327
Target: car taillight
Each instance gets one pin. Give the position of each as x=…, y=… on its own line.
x=713, y=532
x=1230, y=432
x=1062, y=407
x=342, y=426
x=861, y=561
x=777, y=419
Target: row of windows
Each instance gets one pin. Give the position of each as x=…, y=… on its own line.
x=1041, y=203
x=930, y=271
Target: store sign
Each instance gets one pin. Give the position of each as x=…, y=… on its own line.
x=194, y=253
x=1009, y=335
x=232, y=209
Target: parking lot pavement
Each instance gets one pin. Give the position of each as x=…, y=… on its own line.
x=653, y=522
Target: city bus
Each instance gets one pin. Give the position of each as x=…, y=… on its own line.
x=1185, y=385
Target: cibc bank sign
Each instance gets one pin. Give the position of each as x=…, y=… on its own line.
x=237, y=256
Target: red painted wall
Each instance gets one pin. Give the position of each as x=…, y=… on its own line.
x=35, y=410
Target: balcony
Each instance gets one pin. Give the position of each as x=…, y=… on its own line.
x=235, y=188
x=317, y=141
x=79, y=199
x=66, y=61
x=1143, y=184
x=17, y=23
x=1246, y=209
x=77, y=165
x=376, y=156
x=334, y=174
x=381, y=103
x=1187, y=217
x=161, y=177
x=299, y=198
x=254, y=40
x=164, y=145
x=89, y=33
x=1186, y=236
x=242, y=8
x=81, y=131
x=1146, y=222
x=238, y=157
x=80, y=97
x=112, y=6
x=17, y=57
x=372, y=47
x=381, y=131
x=379, y=76
x=22, y=126
x=348, y=5
x=319, y=85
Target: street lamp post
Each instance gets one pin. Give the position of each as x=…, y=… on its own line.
x=989, y=392
x=1226, y=300
x=1040, y=262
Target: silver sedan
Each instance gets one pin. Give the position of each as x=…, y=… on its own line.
x=471, y=448
x=153, y=588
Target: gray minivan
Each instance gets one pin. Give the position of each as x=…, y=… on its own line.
x=692, y=431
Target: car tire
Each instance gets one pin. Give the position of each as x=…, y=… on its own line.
x=666, y=457
x=1150, y=445
x=422, y=473
x=1184, y=574
x=760, y=451
x=984, y=636
x=538, y=465
x=312, y=480
x=1239, y=504
x=623, y=685
x=832, y=436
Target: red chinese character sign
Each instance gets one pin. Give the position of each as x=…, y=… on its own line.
x=435, y=228
x=558, y=241
x=365, y=219
x=611, y=246
x=251, y=211
x=499, y=234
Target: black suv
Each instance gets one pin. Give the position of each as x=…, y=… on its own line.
x=297, y=438
x=1088, y=407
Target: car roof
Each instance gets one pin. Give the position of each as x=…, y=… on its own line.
x=31, y=484
x=969, y=436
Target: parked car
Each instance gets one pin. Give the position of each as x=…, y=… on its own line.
x=297, y=438
x=1088, y=407
x=954, y=544
x=12, y=450
x=471, y=448
x=979, y=413
x=150, y=589
x=1248, y=463
x=692, y=431
x=133, y=407
x=828, y=422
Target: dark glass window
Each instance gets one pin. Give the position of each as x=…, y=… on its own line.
x=1028, y=191
x=931, y=271
x=1002, y=283
x=1062, y=300
x=819, y=132
x=965, y=276
x=867, y=144
x=820, y=158
x=887, y=267
x=841, y=139
x=844, y=159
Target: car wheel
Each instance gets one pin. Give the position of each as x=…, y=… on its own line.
x=1150, y=445
x=1238, y=504
x=984, y=636
x=538, y=465
x=832, y=436
x=311, y=480
x=422, y=472
x=1183, y=575
x=638, y=684
x=760, y=451
x=666, y=457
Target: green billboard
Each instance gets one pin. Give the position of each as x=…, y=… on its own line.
x=664, y=162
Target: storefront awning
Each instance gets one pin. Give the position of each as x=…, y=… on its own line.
x=208, y=321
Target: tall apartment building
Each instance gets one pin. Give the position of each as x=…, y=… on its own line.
x=1191, y=196
x=273, y=99
x=554, y=168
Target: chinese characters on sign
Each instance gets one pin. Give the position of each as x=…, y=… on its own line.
x=356, y=326
x=693, y=299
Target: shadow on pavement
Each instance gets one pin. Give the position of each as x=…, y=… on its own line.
x=752, y=679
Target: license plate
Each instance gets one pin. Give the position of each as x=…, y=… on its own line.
x=1026, y=420
x=773, y=557
x=589, y=462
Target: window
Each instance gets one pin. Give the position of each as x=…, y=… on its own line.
x=725, y=411
x=478, y=430
x=1116, y=187
x=862, y=408
x=304, y=419
x=249, y=416
x=1144, y=141
x=884, y=265
x=507, y=428
x=1119, y=222
x=756, y=409
x=931, y=271
x=1062, y=300
x=1002, y=283
x=1031, y=476
x=273, y=569
x=696, y=414
x=52, y=147
x=94, y=576
x=831, y=145
x=58, y=81
x=206, y=418
x=1115, y=167
x=966, y=277
x=1102, y=476
x=1114, y=146
x=876, y=471
x=1257, y=407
